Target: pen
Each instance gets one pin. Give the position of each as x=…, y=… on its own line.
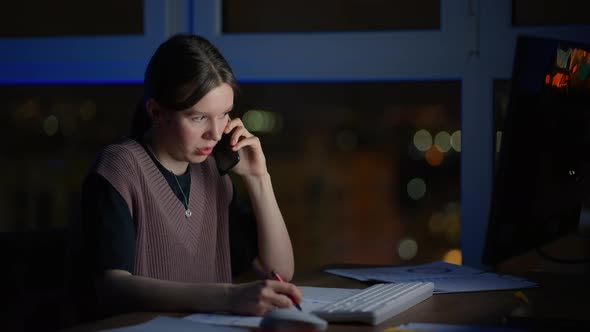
x=277, y=277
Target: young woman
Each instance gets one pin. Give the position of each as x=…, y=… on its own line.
x=164, y=231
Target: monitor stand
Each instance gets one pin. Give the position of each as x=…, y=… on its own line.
x=554, y=306
x=567, y=255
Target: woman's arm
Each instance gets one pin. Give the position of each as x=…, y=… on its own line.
x=120, y=291
x=274, y=245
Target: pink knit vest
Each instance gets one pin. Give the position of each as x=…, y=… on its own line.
x=168, y=245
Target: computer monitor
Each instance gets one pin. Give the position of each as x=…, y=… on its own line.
x=541, y=176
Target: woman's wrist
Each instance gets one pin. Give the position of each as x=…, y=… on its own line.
x=254, y=182
x=212, y=298
x=228, y=295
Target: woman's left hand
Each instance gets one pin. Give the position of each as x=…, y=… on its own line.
x=252, y=160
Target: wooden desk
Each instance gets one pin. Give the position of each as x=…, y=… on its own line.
x=564, y=297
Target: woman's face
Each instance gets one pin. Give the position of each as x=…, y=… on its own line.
x=190, y=135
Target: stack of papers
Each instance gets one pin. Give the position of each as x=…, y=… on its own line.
x=447, y=278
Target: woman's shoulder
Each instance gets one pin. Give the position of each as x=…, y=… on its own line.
x=124, y=151
x=123, y=146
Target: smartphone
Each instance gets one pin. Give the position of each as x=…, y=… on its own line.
x=225, y=157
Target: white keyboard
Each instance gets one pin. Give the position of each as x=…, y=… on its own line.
x=376, y=303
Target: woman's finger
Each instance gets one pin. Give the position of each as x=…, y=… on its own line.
x=233, y=123
x=238, y=134
x=239, y=130
x=275, y=299
x=250, y=141
x=289, y=290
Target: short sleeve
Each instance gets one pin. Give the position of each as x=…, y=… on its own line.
x=243, y=235
x=110, y=228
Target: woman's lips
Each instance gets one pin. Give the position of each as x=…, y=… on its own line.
x=205, y=151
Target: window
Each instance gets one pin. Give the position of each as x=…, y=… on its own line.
x=70, y=18
x=550, y=12
x=53, y=132
x=363, y=171
x=329, y=15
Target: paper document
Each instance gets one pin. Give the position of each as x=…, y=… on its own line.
x=447, y=278
x=171, y=324
x=313, y=298
x=431, y=327
x=225, y=319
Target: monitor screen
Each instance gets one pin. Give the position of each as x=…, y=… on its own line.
x=541, y=177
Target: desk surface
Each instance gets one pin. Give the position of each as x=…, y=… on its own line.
x=562, y=297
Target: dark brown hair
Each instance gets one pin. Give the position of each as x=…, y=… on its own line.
x=182, y=70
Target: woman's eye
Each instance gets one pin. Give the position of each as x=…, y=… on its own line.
x=199, y=118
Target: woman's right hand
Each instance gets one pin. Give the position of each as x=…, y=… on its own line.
x=259, y=297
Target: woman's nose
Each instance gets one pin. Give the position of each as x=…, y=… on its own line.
x=216, y=130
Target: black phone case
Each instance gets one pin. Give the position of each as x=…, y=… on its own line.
x=225, y=157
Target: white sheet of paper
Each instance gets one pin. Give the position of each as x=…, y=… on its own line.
x=225, y=319
x=313, y=298
x=447, y=278
x=171, y=324
x=438, y=327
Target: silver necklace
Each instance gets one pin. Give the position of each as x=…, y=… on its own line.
x=187, y=212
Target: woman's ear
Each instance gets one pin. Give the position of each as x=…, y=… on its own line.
x=153, y=110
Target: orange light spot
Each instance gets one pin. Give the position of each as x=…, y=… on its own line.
x=453, y=256
x=556, y=79
x=547, y=79
x=433, y=156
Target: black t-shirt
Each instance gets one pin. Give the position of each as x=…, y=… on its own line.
x=110, y=230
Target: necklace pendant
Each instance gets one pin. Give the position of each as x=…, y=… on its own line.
x=188, y=213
